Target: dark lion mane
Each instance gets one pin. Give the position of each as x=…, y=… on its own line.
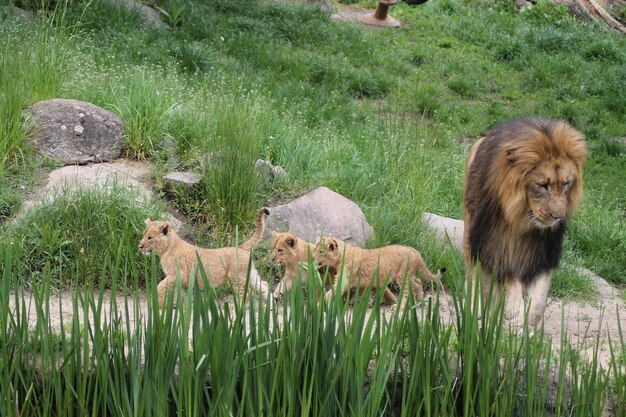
x=495, y=196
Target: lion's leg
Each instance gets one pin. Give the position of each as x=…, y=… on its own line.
x=259, y=286
x=283, y=287
x=537, y=293
x=514, y=300
x=336, y=286
x=474, y=272
x=411, y=283
x=240, y=292
x=164, y=286
x=388, y=297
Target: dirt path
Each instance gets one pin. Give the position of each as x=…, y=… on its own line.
x=583, y=322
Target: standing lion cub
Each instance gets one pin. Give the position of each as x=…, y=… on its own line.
x=223, y=265
x=372, y=267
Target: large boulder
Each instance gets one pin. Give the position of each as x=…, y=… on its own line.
x=150, y=16
x=321, y=211
x=75, y=132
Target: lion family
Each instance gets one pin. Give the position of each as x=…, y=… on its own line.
x=229, y=265
x=523, y=181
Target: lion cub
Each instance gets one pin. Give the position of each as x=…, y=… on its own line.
x=221, y=265
x=289, y=250
x=392, y=262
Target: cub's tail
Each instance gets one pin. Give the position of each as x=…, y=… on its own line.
x=440, y=273
x=258, y=233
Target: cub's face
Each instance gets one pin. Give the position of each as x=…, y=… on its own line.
x=284, y=249
x=327, y=253
x=155, y=236
x=549, y=188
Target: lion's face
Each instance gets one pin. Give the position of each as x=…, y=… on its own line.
x=548, y=192
x=327, y=253
x=284, y=249
x=155, y=236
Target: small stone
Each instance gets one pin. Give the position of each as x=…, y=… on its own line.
x=78, y=129
x=279, y=172
x=264, y=165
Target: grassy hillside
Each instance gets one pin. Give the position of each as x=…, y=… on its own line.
x=384, y=117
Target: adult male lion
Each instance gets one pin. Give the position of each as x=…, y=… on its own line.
x=522, y=183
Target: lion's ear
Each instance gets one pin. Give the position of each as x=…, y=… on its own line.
x=333, y=245
x=147, y=221
x=290, y=242
x=165, y=228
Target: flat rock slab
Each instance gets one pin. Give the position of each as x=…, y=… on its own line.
x=76, y=132
x=186, y=179
x=133, y=175
x=322, y=211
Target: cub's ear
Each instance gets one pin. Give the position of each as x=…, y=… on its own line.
x=165, y=228
x=290, y=242
x=333, y=245
x=147, y=221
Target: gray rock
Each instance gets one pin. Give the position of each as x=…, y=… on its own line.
x=186, y=179
x=206, y=161
x=75, y=132
x=601, y=285
x=169, y=145
x=269, y=171
x=149, y=15
x=176, y=223
x=13, y=11
x=523, y=4
x=321, y=211
x=279, y=172
x=264, y=168
x=444, y=227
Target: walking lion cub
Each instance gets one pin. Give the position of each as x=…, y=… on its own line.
x=223, y=265
x=289, y=250
x=373, y=267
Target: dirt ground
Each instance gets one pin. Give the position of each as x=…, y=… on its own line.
x=583, y=322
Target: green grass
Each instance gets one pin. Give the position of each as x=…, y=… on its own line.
x=381, y=116
x=320, y=361
x=79, y=237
